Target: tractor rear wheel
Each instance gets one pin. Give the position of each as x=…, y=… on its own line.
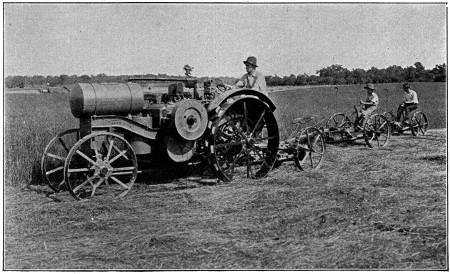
x=54, y=157
x=100, y=163
x=244, y=138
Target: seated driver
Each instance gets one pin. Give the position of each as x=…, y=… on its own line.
x=410, y=102
x=369, y=106
x=252, y=79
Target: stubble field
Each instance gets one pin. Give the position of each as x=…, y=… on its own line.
x=363, y=209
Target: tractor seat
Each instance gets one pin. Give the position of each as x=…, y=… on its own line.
x=303, y=120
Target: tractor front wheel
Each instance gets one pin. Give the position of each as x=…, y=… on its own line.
x=100, y=163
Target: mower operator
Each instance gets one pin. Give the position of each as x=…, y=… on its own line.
x=369, y=106
x=410, y=102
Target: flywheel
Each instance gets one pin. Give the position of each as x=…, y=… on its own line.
x=178, y=149
x=190, y=118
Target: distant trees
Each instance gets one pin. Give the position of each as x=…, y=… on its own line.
x=338, y=75
x=332, y=75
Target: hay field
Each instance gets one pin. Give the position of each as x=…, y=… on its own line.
x=364, y=209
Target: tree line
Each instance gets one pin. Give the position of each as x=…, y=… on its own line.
x=338, y=75
x=332, y=75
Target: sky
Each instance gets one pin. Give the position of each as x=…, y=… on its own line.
x=215, y=39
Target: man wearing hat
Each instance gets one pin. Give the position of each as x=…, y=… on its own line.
x=369, y=106
x=410, y=102
x=252, y=79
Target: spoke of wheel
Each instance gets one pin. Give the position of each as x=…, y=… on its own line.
x=117, y=149
x=265, y=138
x=123, y=173
x=233, y=125
x=63, y=144
x=313, y=145
x=259, y=122
x=61, y=184
x=223, y=135
x=124, y=168
x=383, y=125
x=95, y=186
x=119, y=182
x=249, y=167
x=236, y=160
x=73, y=170
x=54, y=170
x=310, y=148
x=56, y=157
x=334, y=120
x=260, y=156
x=376, y=131
x=109, y=150
x=118, y=156
x=245, y=125
x=422, y=125
x=89, y=180
x=421, y=128
x=94, y=144
x=311, y=160
x=236, y=143
x=86, y=157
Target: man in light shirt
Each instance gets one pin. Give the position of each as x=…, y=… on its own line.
x=410, y=102
x=252, y=79
x=369, y=106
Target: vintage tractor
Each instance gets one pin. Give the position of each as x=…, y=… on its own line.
x=124, y=128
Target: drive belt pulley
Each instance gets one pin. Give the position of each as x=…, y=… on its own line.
x=190, y=119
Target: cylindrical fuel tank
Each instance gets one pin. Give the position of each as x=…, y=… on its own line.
x=106, y=99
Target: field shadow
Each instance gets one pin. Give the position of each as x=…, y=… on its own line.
x=36, y=175
x=158, y=176
x=439, y=159
x=162, y=176
x=347, y=144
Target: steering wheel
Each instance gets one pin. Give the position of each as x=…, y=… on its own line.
x=222, y=87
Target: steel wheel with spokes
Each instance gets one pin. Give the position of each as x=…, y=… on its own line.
x=54, y=157
x=377, y=131
x=338, y=120
x=392, y=118
x=309, y=149
x=419, y=123
x=336, y=126
x=245, y=139
x=100, y=163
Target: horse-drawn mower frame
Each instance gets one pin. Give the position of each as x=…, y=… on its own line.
x=376, y=130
